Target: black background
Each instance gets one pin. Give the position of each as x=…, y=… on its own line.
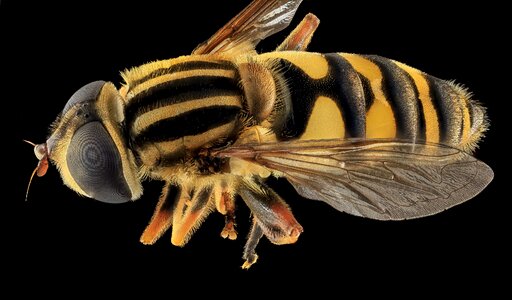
x=49, y=50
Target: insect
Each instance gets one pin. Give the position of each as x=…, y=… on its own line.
x=368, y=135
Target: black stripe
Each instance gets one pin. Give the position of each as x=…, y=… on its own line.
x=369, y=96
x=303, y=94
x=461, y=130
x=399, y=89
x=171, y=192
x=202, y=199
x=180, y=90
x=440, y=95
x=422, y=127
x=471, y=111
x=342, y=85
x=174, y=157
x=187, y=124
x=463, y=106
x=347, y=90
x=186, y=66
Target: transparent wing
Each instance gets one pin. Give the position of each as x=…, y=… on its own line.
x=378, y=179
x=259, y=20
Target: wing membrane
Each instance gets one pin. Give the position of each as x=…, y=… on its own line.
x=259, y=20
x=378, y=179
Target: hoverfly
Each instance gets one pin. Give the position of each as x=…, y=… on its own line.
x=370, y=136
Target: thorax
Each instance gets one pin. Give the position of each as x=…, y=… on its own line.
x=175, y=109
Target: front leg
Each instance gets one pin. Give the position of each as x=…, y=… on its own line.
x=162, y=217
x=191, y=208
x=225, y=204
x=229, y=230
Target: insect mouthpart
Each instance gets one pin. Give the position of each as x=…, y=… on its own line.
x=41, y=152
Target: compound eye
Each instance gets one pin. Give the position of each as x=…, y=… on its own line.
x=87, y=93
x=95, y=164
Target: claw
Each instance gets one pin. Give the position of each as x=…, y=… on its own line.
x=255, y=235
x=250, y=261
x=229, y=231
x=225, y=204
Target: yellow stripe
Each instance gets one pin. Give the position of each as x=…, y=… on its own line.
x=142, y=71
x=193, y=142
x=110, y=111
x=467, y=126
x=147, y=119
x=169, y=147
x=325, y=121
x=380, y=118
x=429, y=111
x=313, y=64
x=151, y=153
x=177, y=75
x=210, y=136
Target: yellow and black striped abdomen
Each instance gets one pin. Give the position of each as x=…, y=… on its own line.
x=341, y=95
x=177, y=106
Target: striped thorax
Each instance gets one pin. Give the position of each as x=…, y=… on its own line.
x=176, y=107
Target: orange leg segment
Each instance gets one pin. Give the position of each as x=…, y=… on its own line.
x=225, y=204
x=192, y=207
x=229, y=230
x=300, y=37
x=162, y=217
